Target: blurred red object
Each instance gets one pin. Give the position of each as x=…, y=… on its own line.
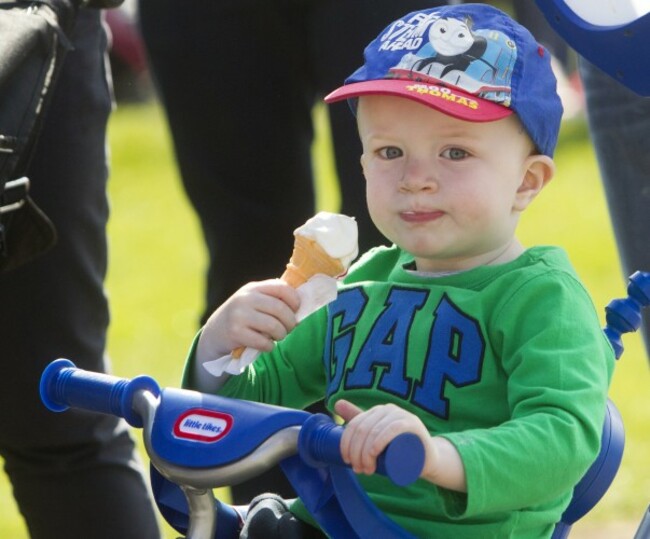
x=127, y=55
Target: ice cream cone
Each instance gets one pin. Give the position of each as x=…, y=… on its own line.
x=325, y=244
x=308, y=259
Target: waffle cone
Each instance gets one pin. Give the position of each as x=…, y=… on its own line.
x=308, y=259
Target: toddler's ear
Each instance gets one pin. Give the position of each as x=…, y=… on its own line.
x=538, y=171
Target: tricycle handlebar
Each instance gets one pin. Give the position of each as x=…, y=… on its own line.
x=63, y=386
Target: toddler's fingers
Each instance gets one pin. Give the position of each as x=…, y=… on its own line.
x=281, y=290
x=358, y=437
x=346, y=409
x=278, y=300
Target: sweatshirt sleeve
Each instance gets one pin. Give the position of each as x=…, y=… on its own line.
x=292, y=374
x=558, y=364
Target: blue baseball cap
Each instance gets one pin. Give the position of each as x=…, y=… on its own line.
x=470, y=61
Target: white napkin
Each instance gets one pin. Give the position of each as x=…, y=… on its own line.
x=318, y=291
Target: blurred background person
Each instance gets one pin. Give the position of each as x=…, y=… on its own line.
x=74, y=475
x=239, y=80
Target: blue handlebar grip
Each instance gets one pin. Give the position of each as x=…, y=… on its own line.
x=63, y=386
x=319, y=444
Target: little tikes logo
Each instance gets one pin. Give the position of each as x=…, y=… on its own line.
x=202, y=425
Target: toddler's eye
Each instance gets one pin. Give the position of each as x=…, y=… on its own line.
x=455, y=154
x=390, y=152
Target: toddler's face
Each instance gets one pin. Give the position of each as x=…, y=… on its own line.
x=445, y=190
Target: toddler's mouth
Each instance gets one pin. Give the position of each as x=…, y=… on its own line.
x=420, y=216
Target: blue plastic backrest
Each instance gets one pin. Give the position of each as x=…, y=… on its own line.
x=622, y=50
x=600, y=475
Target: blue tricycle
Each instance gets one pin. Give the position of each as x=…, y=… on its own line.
x=199, y=442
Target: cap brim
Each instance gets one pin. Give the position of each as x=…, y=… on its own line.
x=448, y=100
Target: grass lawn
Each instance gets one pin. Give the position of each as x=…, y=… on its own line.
x=155, y=284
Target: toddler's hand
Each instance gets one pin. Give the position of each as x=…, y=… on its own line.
x=257, y=315
x=368, y=433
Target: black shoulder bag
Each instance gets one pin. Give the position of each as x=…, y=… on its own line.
x=33, y=44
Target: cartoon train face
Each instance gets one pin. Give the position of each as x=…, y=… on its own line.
x=451, y=37
x=478, y=61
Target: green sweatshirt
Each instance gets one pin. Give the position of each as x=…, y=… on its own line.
x=508, y=362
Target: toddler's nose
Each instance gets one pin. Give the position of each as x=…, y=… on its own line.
x=419, y=176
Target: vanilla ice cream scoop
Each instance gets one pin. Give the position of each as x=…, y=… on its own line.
x=336, y=234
